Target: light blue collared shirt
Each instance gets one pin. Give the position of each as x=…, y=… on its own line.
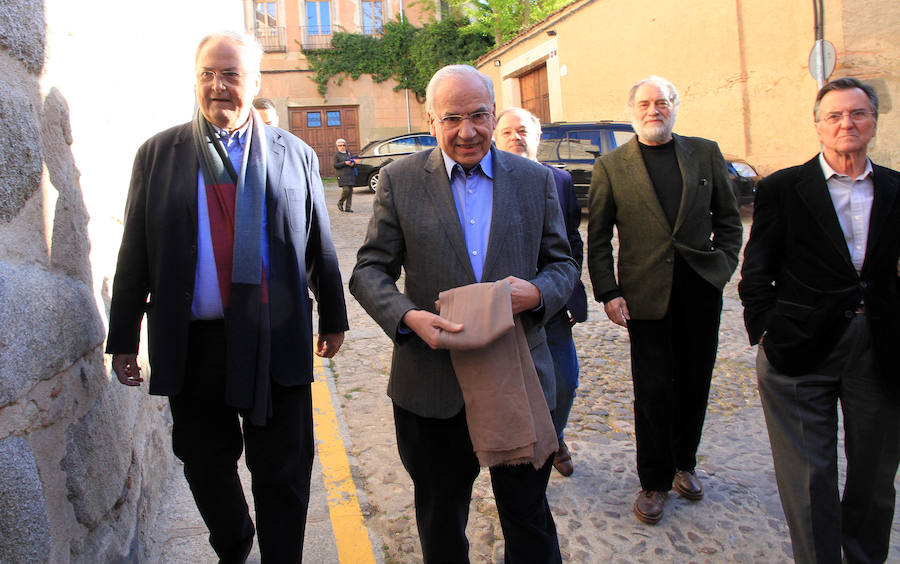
x=473, y=194
x=207, y=302
x=852, y=199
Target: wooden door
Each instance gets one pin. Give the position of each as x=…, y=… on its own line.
x=535, y=93
x=321, y=126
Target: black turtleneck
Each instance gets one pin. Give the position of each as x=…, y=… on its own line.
x=662, y=166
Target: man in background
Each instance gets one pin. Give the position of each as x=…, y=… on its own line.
x=345, y=166
x=519, y=131
x=671, y=201
x=266, y=110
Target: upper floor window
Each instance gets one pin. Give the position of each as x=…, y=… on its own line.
x=266, y=13
x=318, y=18
x=269, y=34
x=372, y=17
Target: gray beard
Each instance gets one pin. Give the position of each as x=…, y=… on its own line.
x=653, y=133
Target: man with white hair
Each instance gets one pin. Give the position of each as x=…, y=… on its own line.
x=345, y=167
x=225, y=235
x=679, y=229
x=433, y=220
x=519, y=131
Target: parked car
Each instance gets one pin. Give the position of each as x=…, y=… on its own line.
x=575, y=146
x=379, y=153
x=744, y=179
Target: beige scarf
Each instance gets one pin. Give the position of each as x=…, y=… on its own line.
x=507, y=414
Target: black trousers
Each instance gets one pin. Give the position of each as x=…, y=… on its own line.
x=346, y=200
x=208, y=437
x=439, y=457
x=672, y=361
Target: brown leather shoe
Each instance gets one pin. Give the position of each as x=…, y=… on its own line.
x=648, y=507
x=562, y=460
x=688, y=485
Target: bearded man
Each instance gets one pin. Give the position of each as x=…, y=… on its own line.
x=679, y=230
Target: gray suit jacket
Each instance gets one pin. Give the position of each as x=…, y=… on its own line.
x=415, y=227
x=707, y=232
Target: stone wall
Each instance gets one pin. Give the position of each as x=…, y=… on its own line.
x=83, y=460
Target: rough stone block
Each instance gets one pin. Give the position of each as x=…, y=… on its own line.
x=22, y=31
x=99, y=456
x=20, y=149
x=47, y=322
x=24, y=526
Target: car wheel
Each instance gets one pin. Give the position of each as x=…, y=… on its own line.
x=373, y=181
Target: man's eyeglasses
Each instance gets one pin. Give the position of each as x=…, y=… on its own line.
x=856, y=116
x=477, y=119
x=228, y=77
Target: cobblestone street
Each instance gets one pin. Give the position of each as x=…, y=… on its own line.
x=739, y=520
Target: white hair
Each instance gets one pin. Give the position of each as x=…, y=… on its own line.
x=248, y=42
x=522, y=113
x=667, y=87
x=454, y=70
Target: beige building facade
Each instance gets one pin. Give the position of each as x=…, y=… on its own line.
x=360, y=110
x=741, y=67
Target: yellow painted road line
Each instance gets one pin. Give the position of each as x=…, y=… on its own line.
x=350, y=533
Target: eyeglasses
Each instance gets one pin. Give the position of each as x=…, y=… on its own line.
x=856, y=116
x=660, y=105
x=477, y=119
x=228, y=77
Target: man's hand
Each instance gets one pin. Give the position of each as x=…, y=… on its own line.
x=617, y=311
x=429, y=326
x=127, y=370
x=328, y=344
x=525, y=296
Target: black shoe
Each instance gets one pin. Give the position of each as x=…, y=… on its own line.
x=348, y=210
x=340, y=207
x=239, y=553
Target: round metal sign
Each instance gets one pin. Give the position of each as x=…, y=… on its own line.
x=821, y=60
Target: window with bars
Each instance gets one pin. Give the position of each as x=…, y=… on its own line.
x=372, y=17
x=318, y=18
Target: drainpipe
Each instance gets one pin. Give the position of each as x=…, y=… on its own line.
x=408, y=121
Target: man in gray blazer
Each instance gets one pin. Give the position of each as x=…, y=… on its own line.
x=679, y=229
x=453, y=216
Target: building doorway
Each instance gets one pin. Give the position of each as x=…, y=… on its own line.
x=321, y=126
x=535, y=93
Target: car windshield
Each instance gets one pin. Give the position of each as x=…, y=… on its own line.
x=402, y=145
x=744, y=169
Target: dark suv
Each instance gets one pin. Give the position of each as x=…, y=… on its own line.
x=575, y=146
x=379, y=153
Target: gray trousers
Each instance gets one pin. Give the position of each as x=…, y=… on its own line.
x=802, y=420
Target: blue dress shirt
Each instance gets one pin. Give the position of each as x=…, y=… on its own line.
x=473, y=193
